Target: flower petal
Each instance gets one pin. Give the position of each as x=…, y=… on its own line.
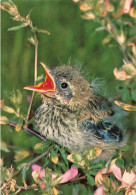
x=129, y=178
x=36, y=167
x=68, y=175
x=42, y=174
x=55, y=191
x=120, y=75
x=99, y=176
x=132, y=192
x=99, y=190
x=43, y=186
x=116, y=171
x=54, y=175
x=126, y=7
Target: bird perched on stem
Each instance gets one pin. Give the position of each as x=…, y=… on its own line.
x=75, y=115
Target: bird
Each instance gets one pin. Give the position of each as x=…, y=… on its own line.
x=75, y=114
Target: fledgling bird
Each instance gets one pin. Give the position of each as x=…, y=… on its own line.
x=75, y=115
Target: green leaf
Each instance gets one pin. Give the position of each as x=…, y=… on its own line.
x=24, y=174
x=48, y=177
x=64, y=156
x=77, y=158
x=53, y=154
x=98, y=165
x=126, y=96
x=17, y=27
x=46, y=163
x=120, y=162
x=4, y=146
x=39, y=146
x=90, y=180
x=93, y=172
x=133, y=93
x=125, y=148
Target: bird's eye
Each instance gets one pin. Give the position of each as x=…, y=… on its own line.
x=64, y=85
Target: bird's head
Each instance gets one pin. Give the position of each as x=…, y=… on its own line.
x=65, y=86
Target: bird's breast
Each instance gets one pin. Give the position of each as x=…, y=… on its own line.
x=59, y=125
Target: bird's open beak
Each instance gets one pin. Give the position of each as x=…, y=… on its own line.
x=47, y=86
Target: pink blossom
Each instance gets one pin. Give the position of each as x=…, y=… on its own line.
x=116, y=171
x=99, y=190
x=67, y=176
x=127, y=179
x=126, y=7
x=43, y=186
x=99, y=176
x=133, y=192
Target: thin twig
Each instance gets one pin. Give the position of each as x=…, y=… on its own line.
x=29, y=108
x=31, y=162
x=28, y=187
x=31, y=131
x=38, y=158
x=13, y=124
x=36, y=56
x=78, y=179
x=35, y=78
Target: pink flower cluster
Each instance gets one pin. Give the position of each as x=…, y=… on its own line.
x=128, y=179
x=67, y=176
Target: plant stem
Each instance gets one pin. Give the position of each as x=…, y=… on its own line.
x=28, y=187
x=35, y=64
x=29, y=108
x=37, y=158
x=77, y=179
x=35, y=78
x=31, y=162
x=31, y=131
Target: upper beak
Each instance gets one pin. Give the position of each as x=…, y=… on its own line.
x=48, y=85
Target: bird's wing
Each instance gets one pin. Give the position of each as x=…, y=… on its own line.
x=102, y=122
x=103, y=131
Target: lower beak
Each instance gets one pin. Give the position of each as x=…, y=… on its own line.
x=47, y=86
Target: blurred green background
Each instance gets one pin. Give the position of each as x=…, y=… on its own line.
x=73, y=40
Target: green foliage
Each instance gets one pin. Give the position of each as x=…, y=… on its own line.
x=102, y=42
x=119, y=162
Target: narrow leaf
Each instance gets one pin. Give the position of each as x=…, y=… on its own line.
x=24, y=174
x=127, y=107
x=43, y=31
x=90, y=180
x=3, y=120
x=17, y=27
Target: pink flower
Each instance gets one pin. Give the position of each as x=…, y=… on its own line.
x=99, y=190
x=126, y=7
x=67, y=176
x=116, y=171
x=127, y=179
x=99, y=176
